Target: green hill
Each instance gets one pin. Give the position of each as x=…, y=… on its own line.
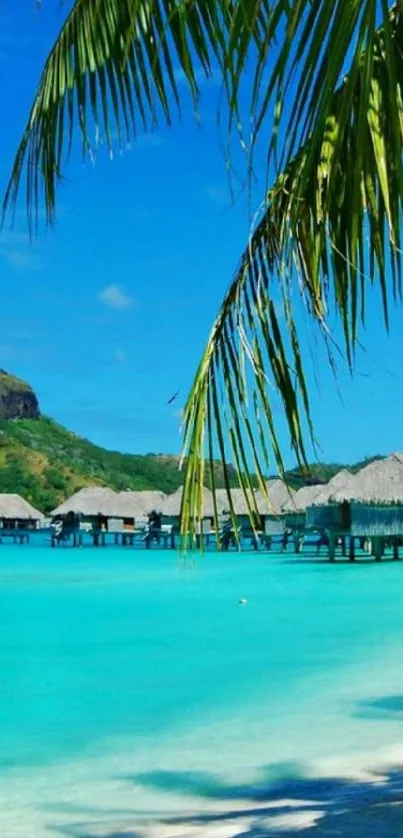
x=46, y=463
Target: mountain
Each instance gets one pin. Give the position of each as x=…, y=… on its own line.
x=46, y=463
x=17, y=398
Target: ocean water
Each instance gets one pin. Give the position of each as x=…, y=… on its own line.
x=138, y=697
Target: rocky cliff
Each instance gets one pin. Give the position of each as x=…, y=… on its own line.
x=17, y=399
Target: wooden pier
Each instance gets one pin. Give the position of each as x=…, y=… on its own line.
x=165, y=539
x=76, y=537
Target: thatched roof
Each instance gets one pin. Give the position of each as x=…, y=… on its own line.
x=92, y=501
x=239, y=503
x=99, y=500
x=341, y=481
x=171, y=506
x=381, y=482
x=145, y=501
x=278, y=495
x=303, y=498
x=15, y=507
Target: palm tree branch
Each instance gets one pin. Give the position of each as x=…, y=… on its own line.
x=117, y=68
x=330, y=227
x=114, y=68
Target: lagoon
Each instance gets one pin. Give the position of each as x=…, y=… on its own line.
x=138, y=697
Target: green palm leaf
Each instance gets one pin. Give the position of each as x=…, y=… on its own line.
x=113, y=72
x=331, y=226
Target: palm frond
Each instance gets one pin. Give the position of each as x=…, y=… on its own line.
x=318, y=42
x=119, y=67
x=112, y=73
x=331, y=226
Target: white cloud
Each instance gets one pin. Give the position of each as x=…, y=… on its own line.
x=115, y=297
x=120, y=356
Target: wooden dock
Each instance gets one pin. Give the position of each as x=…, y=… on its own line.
x=155, y=539
x=313, y=545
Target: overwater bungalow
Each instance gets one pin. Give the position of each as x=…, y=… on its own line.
x=271, y=508
x=323, y=513
x=266, y=511
x=171, y=511
x=239, y=504
x=146, y=500
x=18, y=517
x=98, y=510
x=294, y=510
x=370, y=506
x=242, y=507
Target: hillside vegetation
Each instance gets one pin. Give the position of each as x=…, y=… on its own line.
x=46, y=463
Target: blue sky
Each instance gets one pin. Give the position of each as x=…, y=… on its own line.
x=107, y=315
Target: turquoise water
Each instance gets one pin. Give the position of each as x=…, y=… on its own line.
x=135, y=688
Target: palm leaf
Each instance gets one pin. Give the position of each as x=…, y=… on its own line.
x=113, y=72
x=331, y=227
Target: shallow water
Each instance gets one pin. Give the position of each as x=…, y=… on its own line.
x=136, y=689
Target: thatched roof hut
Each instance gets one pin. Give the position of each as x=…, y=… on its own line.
x=15, y=508
x=367, y=504
x=379, y=483
x=144, y=501
x=294, y=509
x=278, y=494
x=91, y=502
x=171, y=506
x=324, y=513
x=342, y=481
x=303, y=498
x=239, y=502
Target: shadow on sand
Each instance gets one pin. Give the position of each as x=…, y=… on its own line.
x=282, y=803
